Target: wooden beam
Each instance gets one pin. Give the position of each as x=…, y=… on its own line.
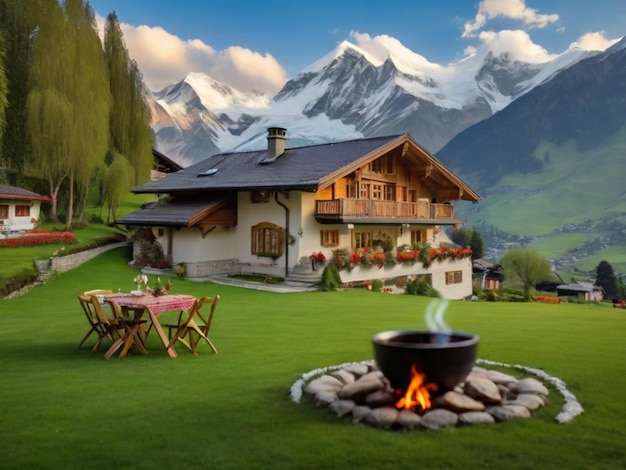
x=206, y=229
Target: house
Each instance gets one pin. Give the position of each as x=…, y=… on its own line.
x=581, y=290
x=488, y=275
x=269, y=211
x=19, y=210
x=162, y=165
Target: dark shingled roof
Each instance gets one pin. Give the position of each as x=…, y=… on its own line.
x=11, y=192
x=297, y=168
x=176, y=212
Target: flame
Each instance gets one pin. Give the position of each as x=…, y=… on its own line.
x=417, y=394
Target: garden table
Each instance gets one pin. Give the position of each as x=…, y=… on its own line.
x=153, y=306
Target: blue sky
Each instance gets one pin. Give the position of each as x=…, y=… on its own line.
x=261, y=44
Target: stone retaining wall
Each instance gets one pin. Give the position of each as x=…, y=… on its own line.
x=61, y=264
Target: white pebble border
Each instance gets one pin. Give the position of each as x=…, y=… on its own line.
x=571, y=407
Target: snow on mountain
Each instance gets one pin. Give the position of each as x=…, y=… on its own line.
x=349, y=93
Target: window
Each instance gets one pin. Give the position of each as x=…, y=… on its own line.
x=454, y=277
x=418, y=236
x=390, y=165
x=377, y=166
x=390, y=192
x=364, y=190
x=259, y=195
x=22, y=210
x=329, y=237
x=377, y=190
x=362, y=239
x=353, y=189
x=266, y=240
x=4, y=211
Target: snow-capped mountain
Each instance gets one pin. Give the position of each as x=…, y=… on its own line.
x=347, y=94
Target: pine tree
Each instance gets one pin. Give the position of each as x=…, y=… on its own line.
x=476, y=244
x=605, y=278
x=17, y=24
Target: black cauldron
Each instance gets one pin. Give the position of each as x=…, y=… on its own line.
x=445, y=358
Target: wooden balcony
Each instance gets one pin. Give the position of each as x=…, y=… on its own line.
x=374, y=211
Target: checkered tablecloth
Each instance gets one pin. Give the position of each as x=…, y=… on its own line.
x=157, y=305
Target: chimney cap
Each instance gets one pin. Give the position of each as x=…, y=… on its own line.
x=276, y=131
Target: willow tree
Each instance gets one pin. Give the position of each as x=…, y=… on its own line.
x=69, y=101
x=130, y=131
x=116, y=183
x=50, y=116
x=526, y=267
x=91, y=100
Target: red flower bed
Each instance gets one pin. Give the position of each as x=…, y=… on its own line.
x=547, y=299
x=39, y=237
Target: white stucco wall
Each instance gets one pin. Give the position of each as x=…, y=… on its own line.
x=19, y=223
x=437, y=270
x=228, y=249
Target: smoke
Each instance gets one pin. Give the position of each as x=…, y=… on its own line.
x=434, y=320
x=434, y=315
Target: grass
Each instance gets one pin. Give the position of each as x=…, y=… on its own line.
x=588, y=192
x=65, y=408
x=20, y=260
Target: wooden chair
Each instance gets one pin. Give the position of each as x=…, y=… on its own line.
x=102, y=328
x=132, y=330
x=189, y=327
x=98, y=292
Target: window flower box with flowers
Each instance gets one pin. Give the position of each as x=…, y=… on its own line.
x=317, y=259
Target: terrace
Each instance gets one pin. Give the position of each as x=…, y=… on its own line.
x=351, y=210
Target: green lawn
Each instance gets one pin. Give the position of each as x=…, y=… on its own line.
x=65, y=408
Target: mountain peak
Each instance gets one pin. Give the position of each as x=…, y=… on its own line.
x=343, y=48
x=216, y=95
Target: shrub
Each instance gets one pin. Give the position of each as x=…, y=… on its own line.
x=151, y=254
x=421, y=287
x=377, y=285
x=331, y=280
x=491, y=295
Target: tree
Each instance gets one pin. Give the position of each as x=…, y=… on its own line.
x=477, y=245
x=116, y=183
x=605, y=278
x=526, y=267
x=68, y=104
x=17, y=24
x=48, y=107
x=471, y=238
x=131, y=135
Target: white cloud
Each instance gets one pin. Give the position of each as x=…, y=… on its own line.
x=593, y=42
x=164, y=58
x=511, y=9
x=516, y=43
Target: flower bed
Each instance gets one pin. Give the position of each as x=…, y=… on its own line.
x=547, y=299
x=39, y=237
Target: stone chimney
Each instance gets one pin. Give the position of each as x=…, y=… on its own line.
x=276, y=141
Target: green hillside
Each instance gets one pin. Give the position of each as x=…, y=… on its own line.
x=575, y=204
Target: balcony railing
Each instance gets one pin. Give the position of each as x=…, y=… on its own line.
x=366, y=208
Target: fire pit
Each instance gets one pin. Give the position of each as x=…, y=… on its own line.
x=444, y=358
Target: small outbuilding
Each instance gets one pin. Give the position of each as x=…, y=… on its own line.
x=19, y=210
x=580, y=290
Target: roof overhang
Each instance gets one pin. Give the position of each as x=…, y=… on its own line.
x=179, y=213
